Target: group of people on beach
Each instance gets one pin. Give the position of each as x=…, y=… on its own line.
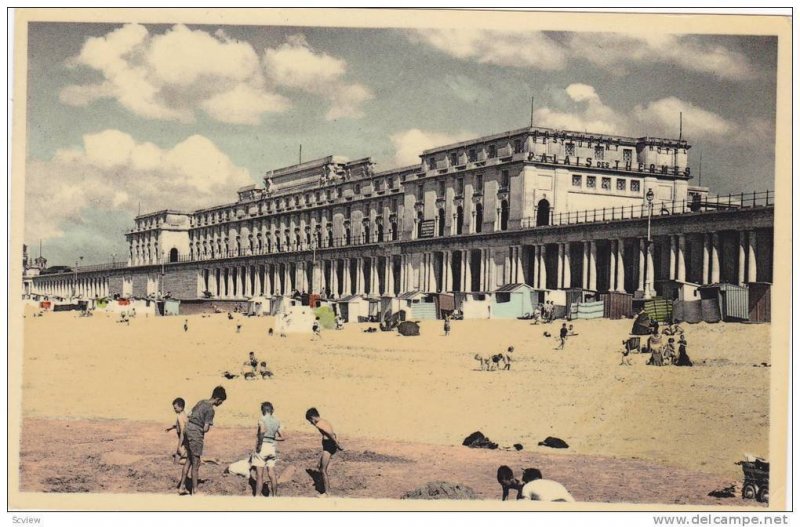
x=192, y=428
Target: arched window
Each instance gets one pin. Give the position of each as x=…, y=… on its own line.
x=441, y=221
x=173, y=255
x=543, y=213
x=347, y=236
x=394, y=231
x=459, y=220
x=366, y=234
x=380, y=232
x=504, y=215
x=420, y=219
x=478, y=217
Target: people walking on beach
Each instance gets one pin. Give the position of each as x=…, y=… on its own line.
x=562, y=336
x=179, y=406
x=200, y=422
x=329, y=446
x=266, y=452
x=446, y=325
x=509, y=351
x=186, y=325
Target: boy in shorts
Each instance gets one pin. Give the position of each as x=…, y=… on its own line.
x=200, y=422
x=179, y=405
x=266, y=453
x=329, y=446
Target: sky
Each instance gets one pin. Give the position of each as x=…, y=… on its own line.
x=122, y=118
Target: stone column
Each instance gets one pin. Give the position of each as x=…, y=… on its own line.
x=519, y=275
x=621, y=266
x=543, y=267
x=448, y=271
x=467, y=271
x=257, y=290
x=346, y=278
x=706, y=257
x=714, y=258
x=560, y=271
x=742, y=258
x=681, y=264
x=375, y=281
x=673, y=249
x=537, y=254
x=585, y=265
x=751, y=257
x=567, y=269
x=612, y=265
x=642, y=261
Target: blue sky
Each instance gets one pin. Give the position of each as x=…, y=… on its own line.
x=172, y=116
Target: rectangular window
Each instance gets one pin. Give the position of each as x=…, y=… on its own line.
x=577, y=180
x=460, y=186
x=627, y=156
x=479, y=183
x=492, y=151
x=431, y=163
x=420, y=192
x=504, y=179
x=339, y=192
x=517, y=146
x=599, y=153
x=441, y=189
x=473, y=155
x=606, y=183
x=621, y=185
x=357, y=188
x=453, y=159
x=591, y=182
x=390, y=183
x=569, y=149
x=635, y=185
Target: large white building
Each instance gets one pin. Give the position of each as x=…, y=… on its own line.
x=551, y=208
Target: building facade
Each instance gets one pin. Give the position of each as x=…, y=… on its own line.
x=554, y=209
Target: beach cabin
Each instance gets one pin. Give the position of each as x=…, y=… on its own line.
x=512, y=301
x=445, y=304
x=473, y=305
x=758, y=301
x=732, y=301
x=374, y=309
x=617, y=305
x=351, y=307
x=678, y=290
x=258, y=306
x=418, y=306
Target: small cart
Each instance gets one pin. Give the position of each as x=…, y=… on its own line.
x=756, y=480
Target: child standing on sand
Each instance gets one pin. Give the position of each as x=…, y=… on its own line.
x=179, y=405
x=266, y=453
x=329, y=446
x=446, y=325
x=198, y=425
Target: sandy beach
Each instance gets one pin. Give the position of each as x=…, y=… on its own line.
x=382, y=389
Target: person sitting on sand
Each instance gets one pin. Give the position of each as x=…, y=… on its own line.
x=179, y=406
x=496, y=360
x=484, y=362
x=339, y=322
x=230, y=316
x=506, y=479
x=264, y=371
x=683, y=358
x=316, y=328
x=655, y=345
x=571, y=331
x=538, y=489
x=668, y=354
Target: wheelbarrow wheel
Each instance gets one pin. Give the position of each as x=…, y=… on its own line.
x=763, y=495
x=749, y=491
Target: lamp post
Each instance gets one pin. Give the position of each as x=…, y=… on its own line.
x=75, y=283
x=648, y=271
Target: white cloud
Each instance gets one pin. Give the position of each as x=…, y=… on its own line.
x=409, y=144
x=515, y=48
x=172, y=75
x=296, y=65
x=615, y=52
x=656, y=118
x=111, y=166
